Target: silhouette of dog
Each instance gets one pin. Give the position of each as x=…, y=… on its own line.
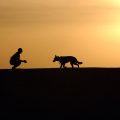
x=65, y=59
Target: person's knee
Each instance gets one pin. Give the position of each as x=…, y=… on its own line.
x=17, y=64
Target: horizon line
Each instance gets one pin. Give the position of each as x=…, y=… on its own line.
x=63, y=68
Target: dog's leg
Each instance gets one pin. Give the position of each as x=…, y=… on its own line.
x=72, y=64
x=64, y=65
x=60, y=65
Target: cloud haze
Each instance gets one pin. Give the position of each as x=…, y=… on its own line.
x=88, y=29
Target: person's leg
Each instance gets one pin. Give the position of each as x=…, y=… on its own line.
x=16, y=64
x=13, y=67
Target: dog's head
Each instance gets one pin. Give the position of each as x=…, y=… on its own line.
x=56, y=58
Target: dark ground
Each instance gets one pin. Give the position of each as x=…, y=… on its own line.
x=60, y=94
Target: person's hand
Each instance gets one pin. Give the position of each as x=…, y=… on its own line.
x=24, y=61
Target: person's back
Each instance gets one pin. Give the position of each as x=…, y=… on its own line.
x=15, y=59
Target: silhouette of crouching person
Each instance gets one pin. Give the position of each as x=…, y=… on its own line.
x=15, y=59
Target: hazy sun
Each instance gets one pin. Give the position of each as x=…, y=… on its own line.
x=113, y=2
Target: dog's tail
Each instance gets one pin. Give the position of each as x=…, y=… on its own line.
x=80, y=62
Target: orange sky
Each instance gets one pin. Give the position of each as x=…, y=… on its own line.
x=88, y=30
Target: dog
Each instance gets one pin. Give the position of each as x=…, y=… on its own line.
x=65, y=59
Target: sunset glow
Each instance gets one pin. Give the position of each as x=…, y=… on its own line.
x=88, y=30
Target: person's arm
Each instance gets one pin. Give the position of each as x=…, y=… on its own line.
x=24, y=61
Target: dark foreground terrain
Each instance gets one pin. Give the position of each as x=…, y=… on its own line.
x=60, y=94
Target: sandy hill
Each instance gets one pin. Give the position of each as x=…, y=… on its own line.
x=60, y=93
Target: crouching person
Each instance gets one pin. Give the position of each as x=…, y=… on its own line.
x=15, y=60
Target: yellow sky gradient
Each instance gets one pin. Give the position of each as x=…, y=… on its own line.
x=86, y=29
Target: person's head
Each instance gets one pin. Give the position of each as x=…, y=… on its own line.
x=20, y=50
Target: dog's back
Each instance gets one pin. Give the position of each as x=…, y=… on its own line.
x=66, y=59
